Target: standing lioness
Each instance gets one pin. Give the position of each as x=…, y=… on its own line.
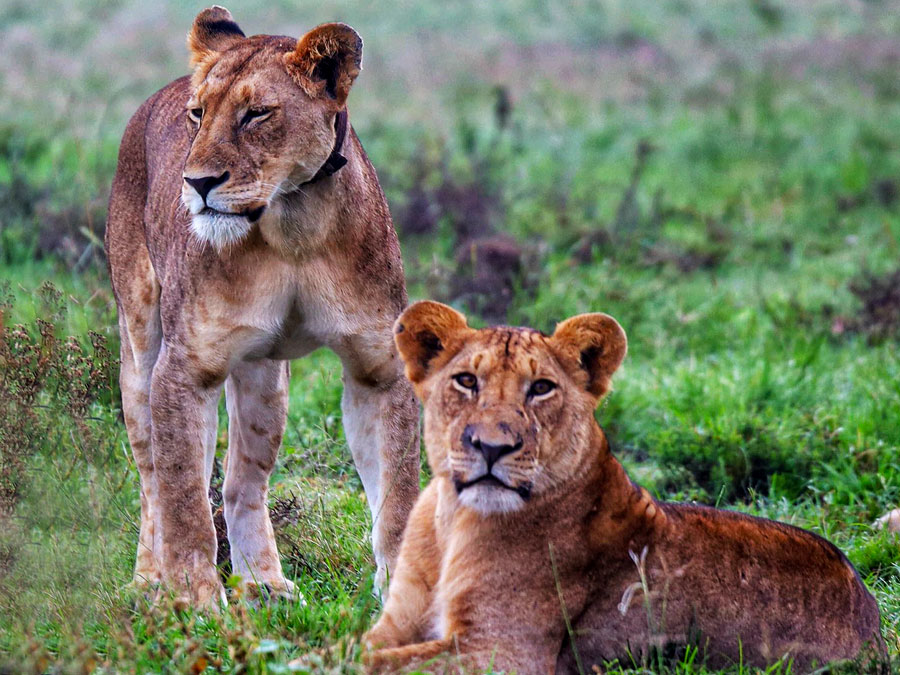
x=247, y=227
x=532, y=551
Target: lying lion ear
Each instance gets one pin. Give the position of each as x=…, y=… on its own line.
x=594, y=345
x=326, y=61
x=214, y=31
x=428, y=334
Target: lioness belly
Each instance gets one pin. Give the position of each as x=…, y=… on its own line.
x=738, y=589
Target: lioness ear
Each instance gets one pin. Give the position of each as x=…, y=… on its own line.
x=214, y=31
x=594, y=345
x=326, y=61
x=428, y=334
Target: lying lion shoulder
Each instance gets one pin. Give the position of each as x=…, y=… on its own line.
x=532, y=551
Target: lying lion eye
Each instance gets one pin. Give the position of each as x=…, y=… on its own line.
x=196, y=114
x=254, y=113
x=466, y=380
x=541, y=388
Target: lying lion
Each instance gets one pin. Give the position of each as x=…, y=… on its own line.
x=532, y=551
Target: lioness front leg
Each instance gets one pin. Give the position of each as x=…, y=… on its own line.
x=134, y=382
x=183, y=407
x=381, y=421
x=137, y=292
x=256, y=394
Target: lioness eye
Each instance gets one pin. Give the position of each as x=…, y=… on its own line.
x=254, y=113
x=466, y=380
x=541, y=388
x=196, y=113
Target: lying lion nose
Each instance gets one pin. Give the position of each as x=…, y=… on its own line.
x=204, y=185
x=490, y=451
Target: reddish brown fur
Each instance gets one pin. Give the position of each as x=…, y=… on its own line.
x=496, y=587
x=320, y=266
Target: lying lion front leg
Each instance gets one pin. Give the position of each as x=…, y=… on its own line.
x=409, y=613
x=183, y=406
x=256, y=395
x=418, y=655
x=449, y=656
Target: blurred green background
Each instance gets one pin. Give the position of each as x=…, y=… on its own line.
x=724, y=178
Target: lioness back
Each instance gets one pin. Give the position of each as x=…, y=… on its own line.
x=146, y=194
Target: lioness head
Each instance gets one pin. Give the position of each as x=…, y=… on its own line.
x=508, y=411
x=261, y=116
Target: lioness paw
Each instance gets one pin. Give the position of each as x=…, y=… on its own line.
x=890, y=521
x=263, y=593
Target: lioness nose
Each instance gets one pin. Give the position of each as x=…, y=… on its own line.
x=491, y=451
x=206, y=183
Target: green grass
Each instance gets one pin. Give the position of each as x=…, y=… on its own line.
x=717, y=176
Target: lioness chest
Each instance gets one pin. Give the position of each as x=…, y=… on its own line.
x=261, y=306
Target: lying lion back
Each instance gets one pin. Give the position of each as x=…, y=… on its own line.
x=741, y=588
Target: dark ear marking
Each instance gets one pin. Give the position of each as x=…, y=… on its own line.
x=427, y=335
x=590, y=355
x=593, y=346
x=326, y=61
x=327, y=70
x=214, y=31
x=431, y=347
x=224, y=26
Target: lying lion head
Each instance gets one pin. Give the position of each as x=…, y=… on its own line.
x=508, y=411
x=261, y=118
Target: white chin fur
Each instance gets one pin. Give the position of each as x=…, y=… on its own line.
x=220, y=229
x=490, y=499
